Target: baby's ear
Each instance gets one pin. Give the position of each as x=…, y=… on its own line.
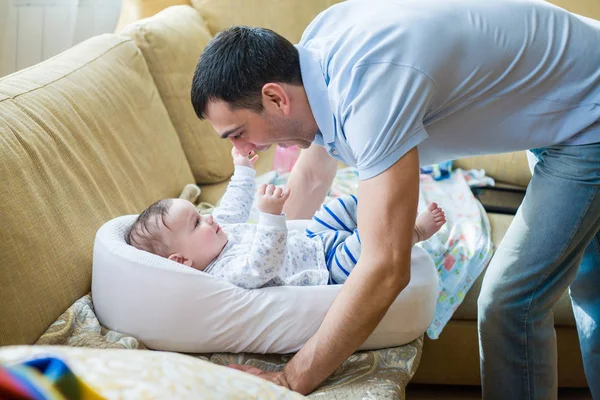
x=178, y=258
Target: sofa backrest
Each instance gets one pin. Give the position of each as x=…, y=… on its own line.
x=84, y=137
x=289, y=18
x=511, y=168
x=171, y=42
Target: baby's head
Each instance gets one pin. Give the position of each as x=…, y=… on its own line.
x=173, y=228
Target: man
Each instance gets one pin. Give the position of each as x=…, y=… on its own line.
x=389, y=85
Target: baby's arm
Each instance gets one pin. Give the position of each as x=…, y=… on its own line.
x=237, y=201
x=267, y=253
x=266, y=257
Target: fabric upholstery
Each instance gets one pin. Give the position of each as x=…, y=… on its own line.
x=134, y=10
x=171, y=43
x=84, y=137
x=139, y=374
x=509, y=168
x=381, y=374
x=286, y=17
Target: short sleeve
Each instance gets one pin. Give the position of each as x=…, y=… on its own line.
x=383, y=114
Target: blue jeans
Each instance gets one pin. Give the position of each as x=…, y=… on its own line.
x=538, y=259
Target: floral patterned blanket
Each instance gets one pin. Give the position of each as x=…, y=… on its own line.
x=374, y=374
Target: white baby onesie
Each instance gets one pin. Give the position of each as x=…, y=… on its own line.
x=266, y=254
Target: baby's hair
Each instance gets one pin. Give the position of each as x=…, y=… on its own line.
x=145, y=233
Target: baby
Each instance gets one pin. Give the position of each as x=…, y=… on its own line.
x=265, y=254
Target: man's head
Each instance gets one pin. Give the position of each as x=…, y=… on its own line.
x=173, y=228
x=248, y=85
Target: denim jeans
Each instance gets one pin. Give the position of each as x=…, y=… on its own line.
x=538, y=259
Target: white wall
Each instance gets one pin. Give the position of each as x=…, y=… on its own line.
x=34, y=30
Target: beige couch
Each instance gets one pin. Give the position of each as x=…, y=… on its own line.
x=106, y=128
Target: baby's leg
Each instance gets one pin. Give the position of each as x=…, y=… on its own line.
x=342, y=250
x=428, y=223
x=335, y=224
x=337, y=215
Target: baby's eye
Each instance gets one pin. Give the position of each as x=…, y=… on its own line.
x=197, y=221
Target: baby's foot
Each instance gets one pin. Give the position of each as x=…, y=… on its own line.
x=429, y=222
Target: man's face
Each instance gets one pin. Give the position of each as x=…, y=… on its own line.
x=252, y=131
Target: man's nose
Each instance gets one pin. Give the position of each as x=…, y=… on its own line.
x=243, y=147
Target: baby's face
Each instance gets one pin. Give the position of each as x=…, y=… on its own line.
x=196, y=239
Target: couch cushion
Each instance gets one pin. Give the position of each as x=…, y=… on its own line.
x=563, y=313
x=509, y=168
x=84, y=137
x=289, y=18
x=171, y=42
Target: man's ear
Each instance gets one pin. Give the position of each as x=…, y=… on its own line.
x=178, y=258
x=274, y=96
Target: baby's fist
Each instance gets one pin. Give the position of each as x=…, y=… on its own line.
x=239, y=159
x=271, y=198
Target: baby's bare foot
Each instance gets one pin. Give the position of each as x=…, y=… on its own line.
x=429, y=222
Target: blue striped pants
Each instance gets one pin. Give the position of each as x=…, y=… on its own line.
x=335, y=225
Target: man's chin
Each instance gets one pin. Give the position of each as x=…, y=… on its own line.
x=263, y=148
x=300, y=144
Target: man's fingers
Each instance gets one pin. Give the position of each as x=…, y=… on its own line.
x=239, y=366
x=275, y=377
x=246, y=368
x=282, y=382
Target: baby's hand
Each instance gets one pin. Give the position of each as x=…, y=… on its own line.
x=271, y=198
x=239, y=159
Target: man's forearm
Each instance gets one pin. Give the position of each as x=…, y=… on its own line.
x=306, y=196
x=355, y=313
x=309, y=182
x=382, y=272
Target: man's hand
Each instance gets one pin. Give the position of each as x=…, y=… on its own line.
x=242, y=160
x=275, y=377
x=271, y=198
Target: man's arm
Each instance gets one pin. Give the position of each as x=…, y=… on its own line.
x=387, y=210
x=309, y=182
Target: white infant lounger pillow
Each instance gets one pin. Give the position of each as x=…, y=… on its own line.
x=169, y=306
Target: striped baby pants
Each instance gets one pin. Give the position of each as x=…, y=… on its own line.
x=335, y=225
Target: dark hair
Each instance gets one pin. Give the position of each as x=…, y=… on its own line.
x=238, y=62
x=145, y=232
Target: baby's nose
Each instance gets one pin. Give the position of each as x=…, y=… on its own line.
x=210, y=219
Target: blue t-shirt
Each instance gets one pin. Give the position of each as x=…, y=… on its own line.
x=456, y=78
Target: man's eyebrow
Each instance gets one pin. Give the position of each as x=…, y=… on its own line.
x=226, y=134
